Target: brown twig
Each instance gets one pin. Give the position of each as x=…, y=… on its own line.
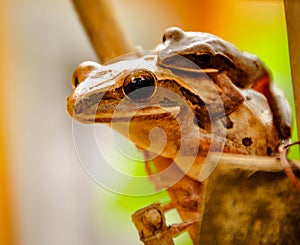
x=292, y=10
x=103, y=29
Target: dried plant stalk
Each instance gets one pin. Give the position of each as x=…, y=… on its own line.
x=251, y=162
x=292, y=10
x=103, y=29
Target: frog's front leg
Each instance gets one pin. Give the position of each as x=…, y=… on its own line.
x=186, y=193
x=187, y=196
x=250, y=71
x=279, y=105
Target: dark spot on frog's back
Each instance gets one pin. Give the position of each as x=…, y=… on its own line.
x=247, y=141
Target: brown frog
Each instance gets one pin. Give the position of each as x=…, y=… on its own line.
x=201, y=92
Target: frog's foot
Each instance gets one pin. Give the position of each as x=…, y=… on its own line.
x=151, y=224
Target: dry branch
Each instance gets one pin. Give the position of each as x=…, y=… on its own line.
x=251, y=162
x=292, y=10
x=103, y=29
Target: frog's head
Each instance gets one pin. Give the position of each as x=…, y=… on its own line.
x=128, y=88
x=137, y=95
x=140, y=88
x=207, y=51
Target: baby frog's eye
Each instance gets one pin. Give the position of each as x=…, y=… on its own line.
x=173, y=34
x=203, y=60
x=139, y=85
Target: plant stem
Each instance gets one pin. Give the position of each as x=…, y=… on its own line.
x=103, y=29
x=292, y=10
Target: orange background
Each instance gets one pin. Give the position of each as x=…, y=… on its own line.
x=5, y=214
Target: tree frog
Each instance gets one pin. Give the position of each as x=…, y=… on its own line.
x=245, y=70
x=196, y=93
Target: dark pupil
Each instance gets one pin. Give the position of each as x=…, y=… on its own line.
x=139, y=85
x=202, y=60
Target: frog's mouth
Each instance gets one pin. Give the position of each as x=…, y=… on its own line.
x=104, y=113
x=149, y=113
x=103, y=108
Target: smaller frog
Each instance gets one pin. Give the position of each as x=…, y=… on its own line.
x=245, y=70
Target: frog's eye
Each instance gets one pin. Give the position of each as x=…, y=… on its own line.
x=139, y=85
x=202, y=60
x=173, y=34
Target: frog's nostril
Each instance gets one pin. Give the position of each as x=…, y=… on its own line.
x=173, y=33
